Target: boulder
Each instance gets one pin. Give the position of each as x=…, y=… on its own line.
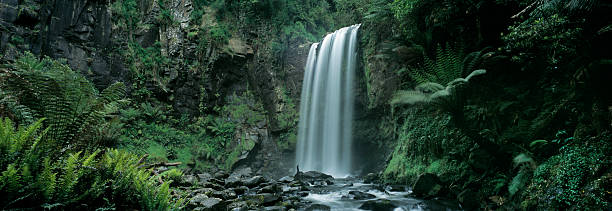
x=206, y=191
x=274, y=208
x=396, y=188
x=240, y=190
x=212, y=185
x=242, y=173
x=203, y=202
x=198, y=199
x=221, y=175
x=262, y=199
x=238, y=206
x=273, y=188
x=370, y=178
x=311, y=176
x=427, y=185
x=233, y=181
x=204, y=177
x=286, y=179
x=254, y=181
x=318, y=207
x=378, y=205
x=189, y=179
x=358, y=195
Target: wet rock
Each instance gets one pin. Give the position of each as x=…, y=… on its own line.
x=204, y=177
x=219, y=194
x=230, y=194
x=254, y=181
x=216, y=181
x=262, y=199
x=238, y=206
x=370, y=178
x=206, y=191
x=358, y=195
x=221, y=175
x=189, y=179
x=378, y=205
x=203, y=202
x=396, y=188
x=287, y=189
x=318, y=207
x=303, y=194
x=240, y=190
x=212, y=185
x=427, y=185
x=274, y=208
x=233, y=181
x=319, y=183
x=311, y=176
x=286, y=179
x=198, y=199
x=270, y=189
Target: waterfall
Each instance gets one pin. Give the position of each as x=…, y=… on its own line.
x=326, y=107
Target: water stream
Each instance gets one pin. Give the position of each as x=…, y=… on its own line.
x=338, y=198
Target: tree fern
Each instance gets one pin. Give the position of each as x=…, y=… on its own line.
x=445, y=67
x=431, y=92
x=73, y=107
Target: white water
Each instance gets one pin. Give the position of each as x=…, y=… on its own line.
x=326, y=108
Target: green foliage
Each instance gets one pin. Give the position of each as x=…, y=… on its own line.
x=133, y=184
x=245, y=109
x=147, y=65
x=543, y=35
x=74, y=109
x=219, y=34
x=446, y=67
x=164, y=17
x=31, y=178
x=573, y=177
x=207, y=142
x=10, y=107
x=423, y=142
x=432, y=92
x=126, y=15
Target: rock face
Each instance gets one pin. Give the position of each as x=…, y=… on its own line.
x=427, y=185
x=79, y=31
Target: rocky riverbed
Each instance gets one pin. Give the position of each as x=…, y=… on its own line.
x=243, y=190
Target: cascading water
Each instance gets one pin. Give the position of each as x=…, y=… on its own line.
x=326, y=108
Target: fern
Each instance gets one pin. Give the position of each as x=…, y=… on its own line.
x=431, y=92
x=30, y=178
x=446, y=66
x=73, y=107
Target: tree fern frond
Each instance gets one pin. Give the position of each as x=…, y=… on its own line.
x=409, y=97
x=71, y=104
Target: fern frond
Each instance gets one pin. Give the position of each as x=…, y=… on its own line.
x=409, y=97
